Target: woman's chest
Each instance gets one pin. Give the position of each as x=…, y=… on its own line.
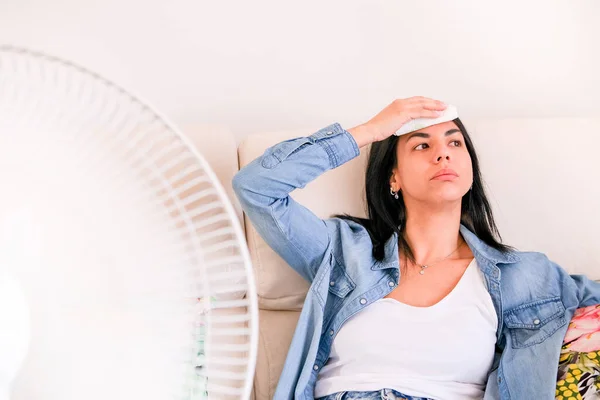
x=431, y=287
x=431, y=339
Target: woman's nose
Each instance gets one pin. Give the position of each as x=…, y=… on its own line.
x=442, y=156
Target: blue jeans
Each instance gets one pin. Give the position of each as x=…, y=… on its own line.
x=383, y=394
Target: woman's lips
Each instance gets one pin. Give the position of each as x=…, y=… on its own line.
x=446, y=175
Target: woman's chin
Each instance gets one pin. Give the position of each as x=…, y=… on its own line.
x=447, y=195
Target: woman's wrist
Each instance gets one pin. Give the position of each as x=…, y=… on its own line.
x=363, y=135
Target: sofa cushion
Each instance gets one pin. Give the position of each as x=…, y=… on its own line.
x=276, y=329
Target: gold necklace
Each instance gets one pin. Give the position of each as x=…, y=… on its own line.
x=422, y=271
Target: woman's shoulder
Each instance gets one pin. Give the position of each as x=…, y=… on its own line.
x=531, y=257
x=349, y=238
x=352, y=228
x=533, y=268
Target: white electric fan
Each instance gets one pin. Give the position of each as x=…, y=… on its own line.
x=123, y=269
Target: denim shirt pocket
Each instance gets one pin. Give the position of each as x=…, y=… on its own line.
x=340, y=284
x=534, y=322
x=279, y=152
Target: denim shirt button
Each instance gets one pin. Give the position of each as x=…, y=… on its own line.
x=536, y=321
x=363, y=301
x=329, y=132
x=331, y=332
x=331, y=283
x=316, y=367
x=391, y=283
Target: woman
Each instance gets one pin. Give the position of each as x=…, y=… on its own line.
x=420, y=300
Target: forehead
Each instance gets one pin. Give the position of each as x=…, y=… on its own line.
x=436, y=130
x=439, y=129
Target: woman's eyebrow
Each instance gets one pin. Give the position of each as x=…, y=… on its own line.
x=427, y=135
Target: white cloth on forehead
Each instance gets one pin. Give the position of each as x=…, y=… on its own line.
x=449, y=114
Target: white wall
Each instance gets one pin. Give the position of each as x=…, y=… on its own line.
x=273, y=64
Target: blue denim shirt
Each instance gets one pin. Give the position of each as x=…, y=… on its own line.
x=534, y=298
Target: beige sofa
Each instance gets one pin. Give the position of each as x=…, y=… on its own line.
x=543, y=182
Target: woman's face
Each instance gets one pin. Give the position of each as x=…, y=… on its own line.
x=433, y=164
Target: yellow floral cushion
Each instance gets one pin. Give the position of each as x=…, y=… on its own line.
x=579, y=366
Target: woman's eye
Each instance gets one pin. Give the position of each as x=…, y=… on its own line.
x=457, y=143
x=420, y=147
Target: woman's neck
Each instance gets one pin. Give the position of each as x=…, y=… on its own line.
x=433, y=235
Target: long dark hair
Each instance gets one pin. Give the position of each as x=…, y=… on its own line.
x=387, y=215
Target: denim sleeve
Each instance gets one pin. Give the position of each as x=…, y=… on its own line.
x=585, y=290
x=263, y=187
x=588, y=291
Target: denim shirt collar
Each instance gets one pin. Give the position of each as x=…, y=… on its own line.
x=486, y=256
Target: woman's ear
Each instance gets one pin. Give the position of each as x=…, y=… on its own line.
x=394, y=182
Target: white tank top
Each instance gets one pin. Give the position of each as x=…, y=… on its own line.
x=444, y=351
